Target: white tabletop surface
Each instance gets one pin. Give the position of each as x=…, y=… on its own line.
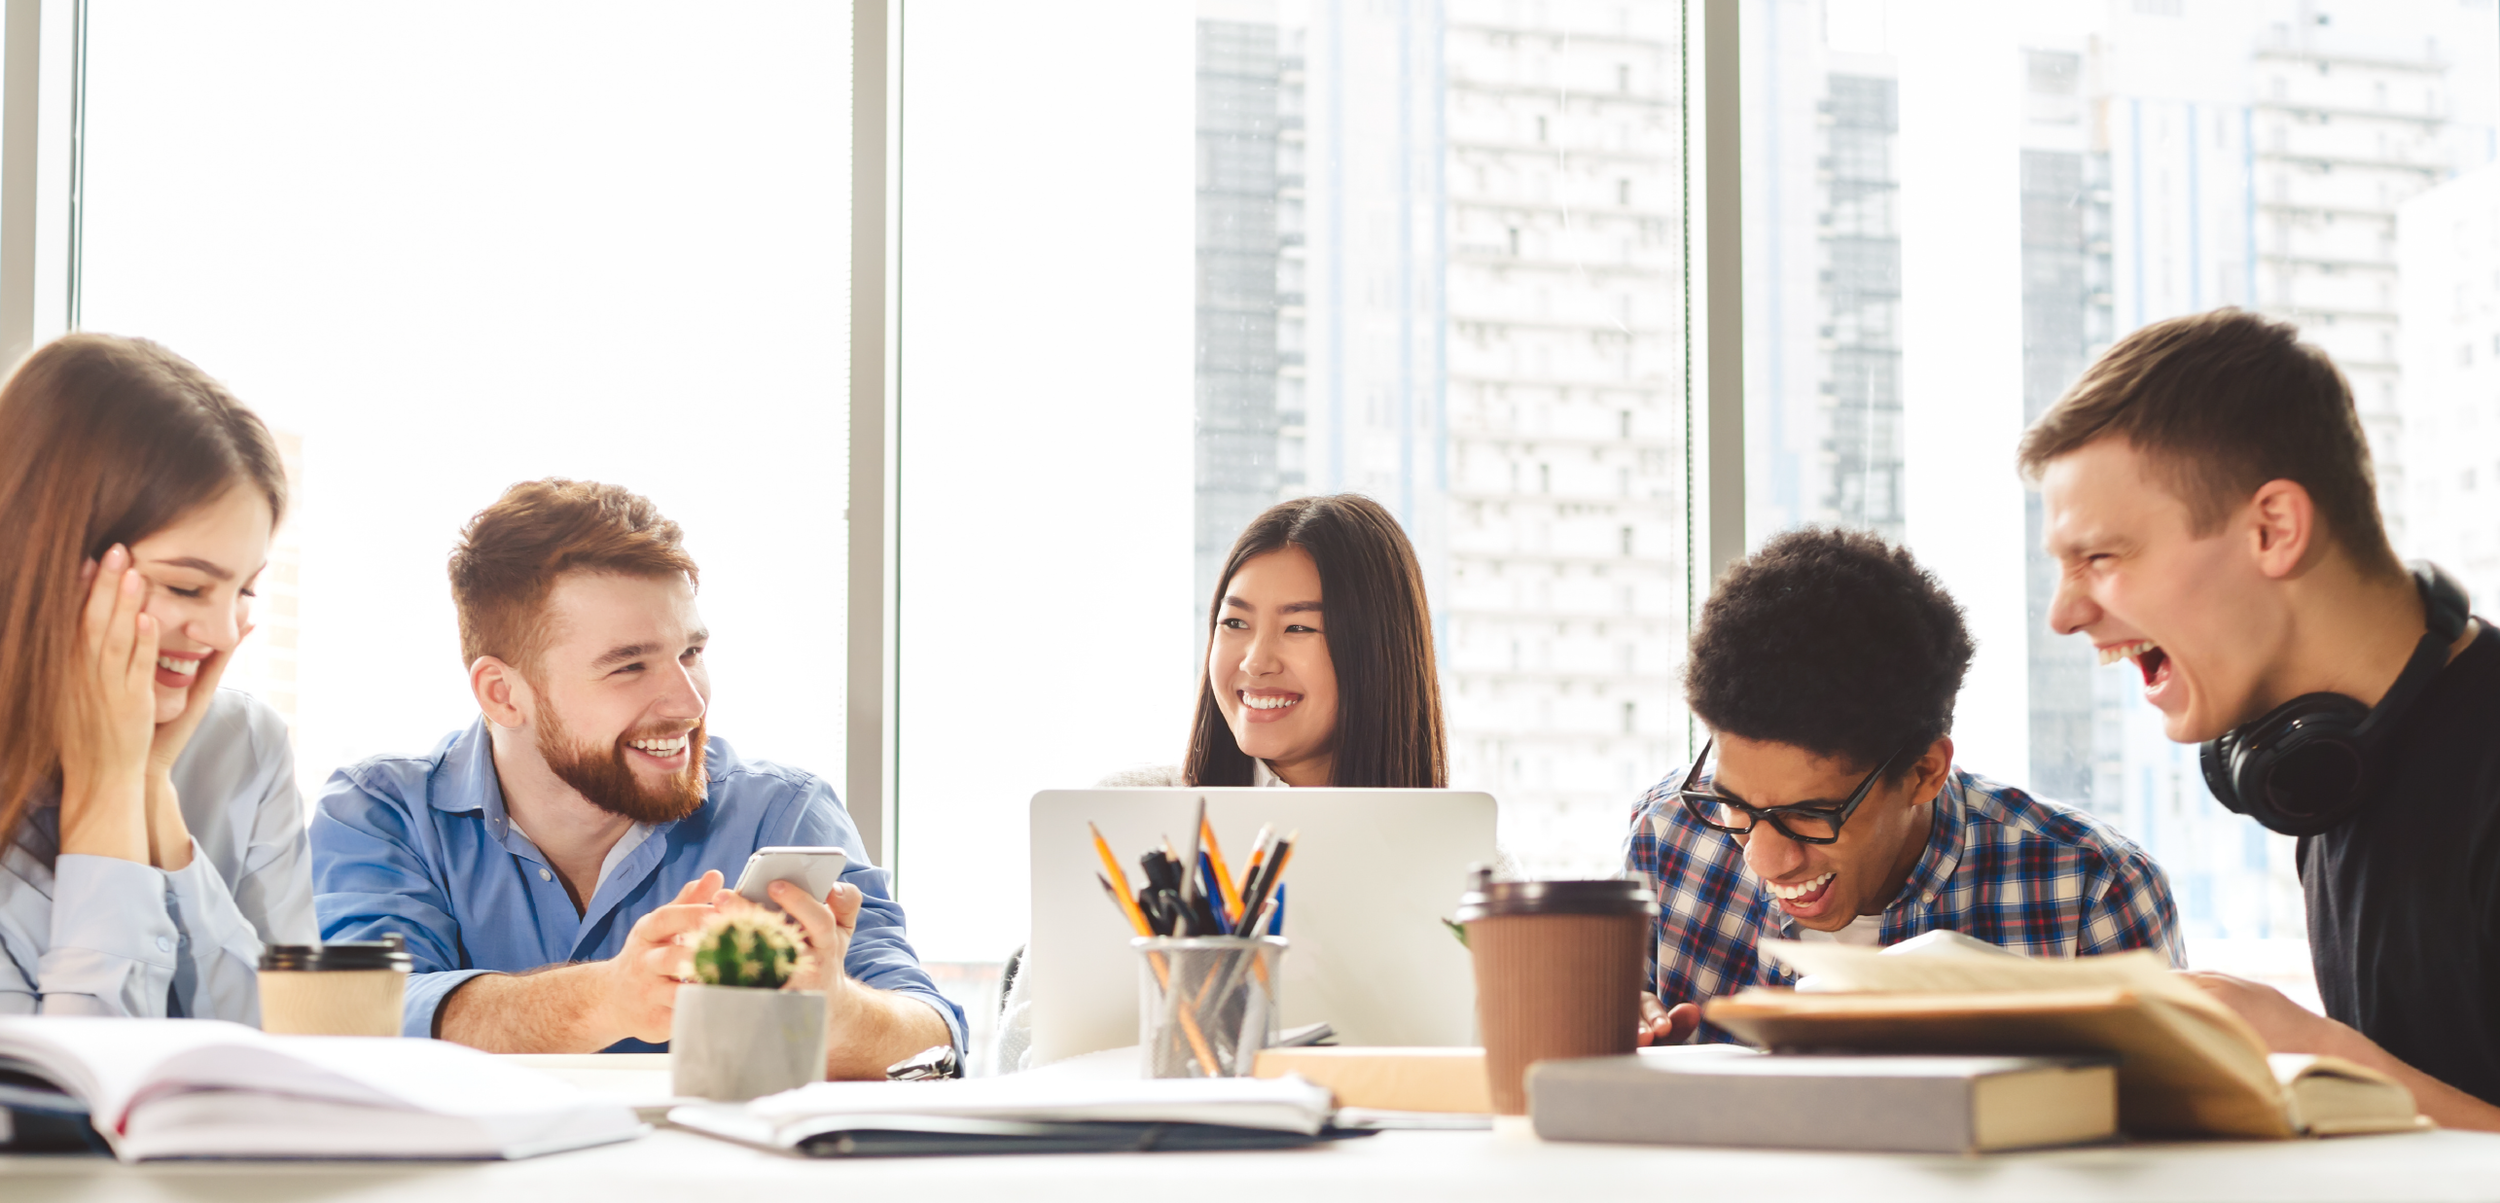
x=1508, y=1165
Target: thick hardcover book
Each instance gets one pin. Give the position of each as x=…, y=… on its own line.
x=2187, y=1066
x=1864, y=1103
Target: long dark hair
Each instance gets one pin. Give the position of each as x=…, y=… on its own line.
x=109, y=441
x=1389, y=731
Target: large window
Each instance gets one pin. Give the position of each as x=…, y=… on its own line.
x=1436, y=254
x=1161, y=265
x=1043, y=626
x=447, y=246
x=1440, y=262
x=1951, y=208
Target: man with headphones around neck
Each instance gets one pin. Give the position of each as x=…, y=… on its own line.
x=2208, y=495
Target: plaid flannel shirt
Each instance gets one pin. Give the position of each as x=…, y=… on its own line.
x=2033, y=876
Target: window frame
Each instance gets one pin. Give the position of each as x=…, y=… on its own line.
x=1715, y=532
x=40, y=126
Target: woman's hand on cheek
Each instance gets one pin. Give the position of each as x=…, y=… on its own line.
x=171, y=738
x=108, y=721
x=169, y=837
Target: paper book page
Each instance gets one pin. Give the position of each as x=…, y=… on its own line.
x=2292, y=1067
x=371, y=1071
x=1948, y=970
x=2329, y=1096
x=1945, y=969
x=1845, y=967
x=230, y=1124
x=106, y=1062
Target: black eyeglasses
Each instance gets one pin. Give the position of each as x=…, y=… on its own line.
x=1804, y=824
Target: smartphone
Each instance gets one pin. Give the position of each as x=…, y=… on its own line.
x=814, y=870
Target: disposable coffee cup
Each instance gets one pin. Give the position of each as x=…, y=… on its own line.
x=1558, y=972
x=343, y=988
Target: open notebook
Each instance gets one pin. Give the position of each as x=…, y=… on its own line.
x=1024, y=1113
x=168, y=1088
x=2187, y=1065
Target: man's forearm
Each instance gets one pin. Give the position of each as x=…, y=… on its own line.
x=551, y=1010
x=876, y=1028
x=2446, y=1105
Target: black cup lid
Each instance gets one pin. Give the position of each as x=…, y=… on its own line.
x=389, y=952
x=1602, y=896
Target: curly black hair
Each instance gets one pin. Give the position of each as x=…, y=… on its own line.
x=1833, y=641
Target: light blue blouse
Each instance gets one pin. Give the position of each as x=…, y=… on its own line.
x=96, y=935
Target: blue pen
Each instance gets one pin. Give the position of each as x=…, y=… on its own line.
x=1213, y=892
x=1276, y=925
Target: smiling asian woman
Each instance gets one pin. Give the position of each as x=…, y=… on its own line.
x=1319, y=672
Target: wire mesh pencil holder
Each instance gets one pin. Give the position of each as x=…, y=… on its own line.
x=1206, y=1005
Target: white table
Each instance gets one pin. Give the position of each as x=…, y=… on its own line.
x=1508, y=1165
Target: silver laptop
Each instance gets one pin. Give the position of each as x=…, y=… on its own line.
x=1373, y=874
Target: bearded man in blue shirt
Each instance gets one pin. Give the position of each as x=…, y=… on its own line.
x=549, y=865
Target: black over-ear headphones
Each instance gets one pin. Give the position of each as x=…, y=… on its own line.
x=2309, y=764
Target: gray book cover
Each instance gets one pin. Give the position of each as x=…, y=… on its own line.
x=1926, y=1104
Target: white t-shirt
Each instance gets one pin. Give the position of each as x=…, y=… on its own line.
x=1864, y=931
x=626, y=843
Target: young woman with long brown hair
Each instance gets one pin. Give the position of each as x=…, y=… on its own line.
x=1319, y=658
x=1319, y=672
x=151, y=838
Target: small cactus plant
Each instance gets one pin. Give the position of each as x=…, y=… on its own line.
x=753, y=950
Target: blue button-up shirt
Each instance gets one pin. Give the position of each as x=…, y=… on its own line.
x=422, y=846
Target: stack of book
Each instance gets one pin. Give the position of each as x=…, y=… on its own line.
x=1943, y=1044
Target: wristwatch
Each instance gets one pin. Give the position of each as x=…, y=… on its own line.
x=935, y=1061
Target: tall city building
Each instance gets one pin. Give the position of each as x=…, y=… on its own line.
x=1860, y=303
x=2343, y=136
x=1473, y=287
x=2067, y=317
x=1565, y=598
x=1240, y=251
x=2174, y=157
x=1823, y=279
x=2448, y=302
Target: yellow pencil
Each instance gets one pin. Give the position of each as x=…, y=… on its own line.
x=1119, y=881
x=1258, y=854
x=1118, y=884
x=1223, y=874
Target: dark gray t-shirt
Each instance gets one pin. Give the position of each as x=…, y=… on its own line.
x=2404, y=900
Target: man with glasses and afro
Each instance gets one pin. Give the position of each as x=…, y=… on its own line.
x=1825, y=805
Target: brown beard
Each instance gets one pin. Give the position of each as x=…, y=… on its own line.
x=602, y=776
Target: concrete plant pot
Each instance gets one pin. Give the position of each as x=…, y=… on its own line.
x=735, y=1043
